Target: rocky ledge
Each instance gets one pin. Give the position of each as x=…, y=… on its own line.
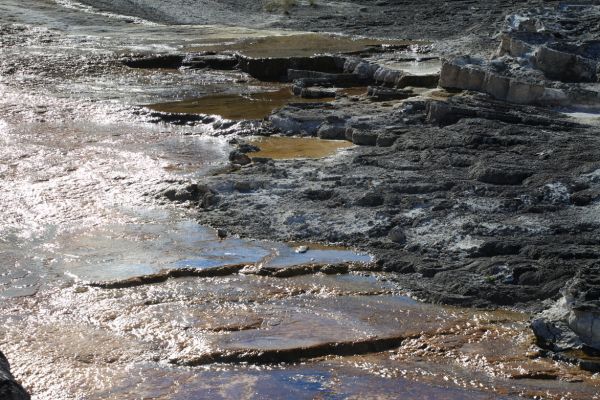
x=573, y=322
x=9, y=388
x=546, y=57
x=476, y=193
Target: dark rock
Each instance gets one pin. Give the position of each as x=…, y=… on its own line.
x=210, y=199
x=422, y=81
x=370, y=199
x=158, y=61
x=466, y=73
x=9, y=388
x=276, y=69
x=246, y=186
x=364, y=138
x=573, y=322
x=219, y=62
x=364, y=69
x=324, y=78
x=397, y=235
x=248, y=148
x=190, y=192
x=317, y=93
x=582, y=296
x=303, y=83
x=318, y=194
x=332, y=131
x=497, y=248
x=237, y=157
x=454, y=109
x=378, y=93
x=386, y=139
x=530, y=278
x=299, y=119
x=565, y=66
x=334, y=269
x=534, y=59
x=176, y=118
x=499, y=175
x=261, y=160
x=585, y=197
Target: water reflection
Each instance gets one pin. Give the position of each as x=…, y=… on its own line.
x=123, y=251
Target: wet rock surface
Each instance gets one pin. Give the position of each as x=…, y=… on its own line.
x=491, y=198
x=329, y=327
x=111, y=291
x=464, y=194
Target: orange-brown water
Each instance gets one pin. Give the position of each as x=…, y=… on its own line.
x=249, y=106
x=302, y=44
x=286, y=148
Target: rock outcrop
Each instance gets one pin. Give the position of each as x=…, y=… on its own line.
x=387, y=76
x=573, y=322
x=9, y=388
x=538, y=55
x=210, y=60
x=276, y=69
x=486, y=200
x=476, y=199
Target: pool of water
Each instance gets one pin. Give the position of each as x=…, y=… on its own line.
x=287, y=148
x=302, y=45
x=122, y=251
x=237, y=106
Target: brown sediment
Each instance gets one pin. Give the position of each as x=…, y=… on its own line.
x=285, y=148
x=164, y=275
x=277, y=272
x=493, y=351
x=251, y=106
x=437, y=94
x=267, y=321
x=370, y=345
x=329, y=269
x=584, y=360
x=304, y=45
x=237, y=328
x=354, y=91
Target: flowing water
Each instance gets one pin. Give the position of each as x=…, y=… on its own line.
x=110, y=291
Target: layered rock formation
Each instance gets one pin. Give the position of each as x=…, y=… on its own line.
x=541, y=60
x=573, y=322
x=480, y=194
x=494, y=194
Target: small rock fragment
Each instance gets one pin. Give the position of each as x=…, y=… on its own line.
x=397, y=235
x=301, y=249
x=239, y=158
